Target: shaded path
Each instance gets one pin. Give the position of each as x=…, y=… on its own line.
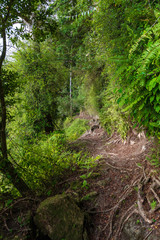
x=122, y=167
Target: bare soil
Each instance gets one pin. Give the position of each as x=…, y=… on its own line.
x=126, y=184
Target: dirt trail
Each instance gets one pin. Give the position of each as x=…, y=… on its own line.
x=124, y=173
x=119, y=151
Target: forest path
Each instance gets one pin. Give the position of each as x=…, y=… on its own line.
x=114, y=149
x=122, y=169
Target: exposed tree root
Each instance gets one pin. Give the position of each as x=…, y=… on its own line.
x=140, y=196
x=147, y=186
x=116, y=208
x=155, y=194
x=5, y=224
x=141, y=210
x=148, y=235
x=114, y=167
x=124, y=219
x=114, y=141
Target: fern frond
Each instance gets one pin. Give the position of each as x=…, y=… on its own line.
x=155, y=27
x=135, y=46
x=150, y=54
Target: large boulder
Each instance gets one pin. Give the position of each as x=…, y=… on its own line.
x=60, y=218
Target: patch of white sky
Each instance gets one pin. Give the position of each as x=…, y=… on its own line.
x=11, y=48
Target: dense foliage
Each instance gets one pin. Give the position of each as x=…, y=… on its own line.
x=96, y=56
x=130, y=51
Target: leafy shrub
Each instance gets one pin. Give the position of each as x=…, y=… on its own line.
x=141, y=79
x=43, y=161
x=67, y=123
x=153, y=204
x=111, y=115
x=154, y=157
x=75, y=128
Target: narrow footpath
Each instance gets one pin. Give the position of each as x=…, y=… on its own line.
x=127, y=203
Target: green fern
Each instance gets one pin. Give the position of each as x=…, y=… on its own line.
x=149, y=56
x=155, y=28
x=111, y=115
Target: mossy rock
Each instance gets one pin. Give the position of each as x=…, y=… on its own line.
x=60, y=218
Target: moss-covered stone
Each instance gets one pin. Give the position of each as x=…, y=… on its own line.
x=60, y=218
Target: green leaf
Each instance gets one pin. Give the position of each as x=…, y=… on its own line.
x=151, y=99
x=157, y=108
x=152, y=84
x=120, y=90
x=8, y=203
x=158, y=97
x=141, y=106
x=49, y=193
x=142, y=83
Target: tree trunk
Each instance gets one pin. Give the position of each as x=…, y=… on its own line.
x=6, y=167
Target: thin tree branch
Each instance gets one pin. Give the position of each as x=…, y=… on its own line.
x=9, y=9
